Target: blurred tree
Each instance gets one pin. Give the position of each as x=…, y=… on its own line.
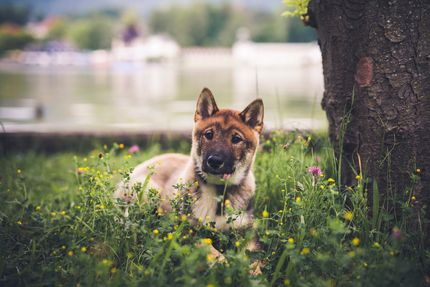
x=91, y=33
x=13, y=37
x=11, y=14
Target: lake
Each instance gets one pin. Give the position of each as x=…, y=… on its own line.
x=152, y=96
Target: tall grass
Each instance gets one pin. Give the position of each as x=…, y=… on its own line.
x=60, y=226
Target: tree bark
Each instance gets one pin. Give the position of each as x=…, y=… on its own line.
x=376, y=63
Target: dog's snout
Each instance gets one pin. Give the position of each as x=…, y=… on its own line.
x=215, y=161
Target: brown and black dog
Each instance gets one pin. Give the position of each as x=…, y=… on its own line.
x=224, y=145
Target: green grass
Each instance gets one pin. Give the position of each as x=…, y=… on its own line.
x=59, y=226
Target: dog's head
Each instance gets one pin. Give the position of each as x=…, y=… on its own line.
x=224, y=140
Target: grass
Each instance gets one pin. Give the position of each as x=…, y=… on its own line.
x=60, y=226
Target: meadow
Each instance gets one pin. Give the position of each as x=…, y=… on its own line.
x=60, y=226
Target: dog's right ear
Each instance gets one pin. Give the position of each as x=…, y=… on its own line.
x=206, y=105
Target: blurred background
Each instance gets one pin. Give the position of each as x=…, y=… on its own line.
x=127, y=65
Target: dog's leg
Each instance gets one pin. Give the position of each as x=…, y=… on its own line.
x=256, y=265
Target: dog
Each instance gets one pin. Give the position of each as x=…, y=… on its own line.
x=218, y=173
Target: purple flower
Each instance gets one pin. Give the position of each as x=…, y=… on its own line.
x=314, y=170
x=133, y=149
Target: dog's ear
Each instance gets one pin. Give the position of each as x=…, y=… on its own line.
x=253, y=115
x=206, y=105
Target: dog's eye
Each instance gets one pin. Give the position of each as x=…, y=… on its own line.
x=209, y=135
x=236, y=139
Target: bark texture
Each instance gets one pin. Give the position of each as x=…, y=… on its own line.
x=376, y=62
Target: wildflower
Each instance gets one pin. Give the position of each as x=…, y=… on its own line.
x=396, y=233
x=207, y=241
x=265, y=214
x=305, y=251
x=322, y=186
x=210, y=285
x=121, y=146
x=83, y=249
x=156, y=231
x=19, y=222
x=183, y=217
x=53, y=214
x=63, y=247
x=114, y=270
x=291, y=240
x=70, y=253
x=355, y=241
x=413, y=198
x=314, y=170
x=418, y=170
x=107, y=262
x=210, y=258
x=331, y=181
x=78, y=207
x=227, y=203
x=18, y=171
x=298, y=200
x=38, y=208
x=376, y=245
x=287, y=282
x=313, y=232
x=351, y=253
x=358, y=177
x=365, y=264
x=63, y=213
x=133, y=149
x=169, y=236
x=348, y=215
x=237, y=243
x=82, y=170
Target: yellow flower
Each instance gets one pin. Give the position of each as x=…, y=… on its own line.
x=169, y=236
x=377, y=245
x=83, y=249
x=237, y=243
x=210, y=285
x=63, y=213
x=38, y=208
x=291, y=240
x=418, y=170
x=348, y=215
x=114, y=270
x=53, y=214
x=413, y=198
x=78, y=207
x=265, y=214
x=358, y=177
x=298, y=199
x=107, y=262
x=70, y=253
x=321, y=186
x=351, y=253
x=121, y=146
x=287, y=282
x=207, y=241
x=210, y=258
x=355, y=241
x=18, y=171
x=227, y=203
x=19, y=222
x=183, y=217
x=305, y=251
x=331, y=180
x=156, y=231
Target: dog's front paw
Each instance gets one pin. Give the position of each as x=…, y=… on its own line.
x=255, y=268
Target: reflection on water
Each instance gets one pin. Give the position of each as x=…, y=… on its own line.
x=154, y=96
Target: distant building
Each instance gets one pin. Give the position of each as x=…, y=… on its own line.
x=130, y=47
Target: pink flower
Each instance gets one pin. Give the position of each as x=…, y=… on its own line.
x=133, y=149
x=314, y=170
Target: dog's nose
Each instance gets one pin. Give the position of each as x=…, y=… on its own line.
x=215, y=161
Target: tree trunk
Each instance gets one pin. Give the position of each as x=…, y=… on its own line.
x=376, y=62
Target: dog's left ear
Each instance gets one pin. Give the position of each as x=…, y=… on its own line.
x=206, y=105
x=253, y=115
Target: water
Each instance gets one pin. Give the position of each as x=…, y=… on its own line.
x=155, y=96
